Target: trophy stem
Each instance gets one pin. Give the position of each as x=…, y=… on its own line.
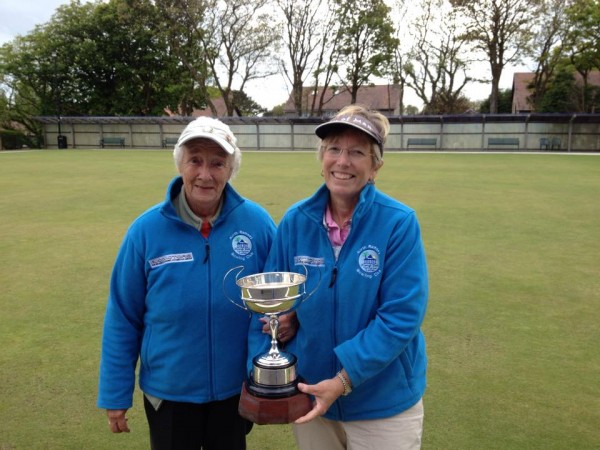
x=274, y=327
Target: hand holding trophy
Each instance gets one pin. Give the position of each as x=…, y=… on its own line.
x=270, y=395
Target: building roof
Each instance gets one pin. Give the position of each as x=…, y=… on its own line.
x=383, y=98
x=521, y=90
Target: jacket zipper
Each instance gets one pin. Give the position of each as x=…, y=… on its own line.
x=208, y=318
x=207, y=252
x=333, y=275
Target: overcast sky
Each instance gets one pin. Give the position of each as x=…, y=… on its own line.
x=19, y=17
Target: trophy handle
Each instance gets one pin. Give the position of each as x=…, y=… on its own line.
x=239, y=270
x=316, y=287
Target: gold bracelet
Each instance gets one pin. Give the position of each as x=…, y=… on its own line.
x=345, y=382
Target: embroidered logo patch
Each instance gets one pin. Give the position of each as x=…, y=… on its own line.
x=169, y=259
x=309, y=261
x=241, y=243
x=369, y=261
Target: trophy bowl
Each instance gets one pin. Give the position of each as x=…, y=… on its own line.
x=272, y=292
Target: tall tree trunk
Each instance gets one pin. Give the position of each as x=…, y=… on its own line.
x=496, y=73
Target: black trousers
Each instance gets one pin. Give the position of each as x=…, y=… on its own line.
x=192, y=426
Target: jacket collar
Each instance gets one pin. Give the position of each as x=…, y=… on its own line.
x=315, y=205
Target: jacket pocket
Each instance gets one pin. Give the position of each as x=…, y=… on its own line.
x=145, y=349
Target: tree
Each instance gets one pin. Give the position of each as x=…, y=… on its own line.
x=4, y=107
x=548, y=46
x=311, y=40
x=561, y=95
x=182, y=30
x=302, y=34
x=327, y=62
x=277, y=111
x=583, y=42
x=398, y=75
x=93, y=59
x=567, y=44
x=366, y=44
x=13, y=110
x=135, y=64
x=499, y=29
x=504, y=102
x=245, y=106
x=239, y=41
x=437, y=70
x=411, y=110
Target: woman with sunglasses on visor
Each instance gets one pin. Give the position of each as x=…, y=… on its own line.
x=359, y=344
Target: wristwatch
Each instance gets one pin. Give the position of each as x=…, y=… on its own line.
x=345, y=382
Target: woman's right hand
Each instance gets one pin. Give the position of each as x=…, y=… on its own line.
x=325, y=393
x=117, y=422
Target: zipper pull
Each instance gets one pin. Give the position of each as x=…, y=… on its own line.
x=207, y=248
x=333, y=276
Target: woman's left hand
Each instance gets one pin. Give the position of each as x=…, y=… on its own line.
x=326, y=392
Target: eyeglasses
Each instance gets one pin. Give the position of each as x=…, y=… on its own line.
x=354, y=154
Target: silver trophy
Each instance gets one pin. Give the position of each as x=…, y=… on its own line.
x=270, y=394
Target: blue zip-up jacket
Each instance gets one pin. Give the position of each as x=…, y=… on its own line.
x=366, y=314
x=168, y=309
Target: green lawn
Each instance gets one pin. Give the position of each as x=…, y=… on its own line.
x=513, y=326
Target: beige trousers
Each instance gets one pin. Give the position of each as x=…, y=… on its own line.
x=400, y=432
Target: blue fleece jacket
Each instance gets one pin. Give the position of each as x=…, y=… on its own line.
x=366, y=314
x=168, y=309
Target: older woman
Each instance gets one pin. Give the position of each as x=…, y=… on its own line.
x=166, y=305
x=359, y=344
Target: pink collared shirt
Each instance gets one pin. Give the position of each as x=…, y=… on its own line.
x=337, y=235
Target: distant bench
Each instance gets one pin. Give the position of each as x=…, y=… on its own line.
x=496, y=142
x=169, y=141
x=429, y=142
x=112, y=141
x=549, y=144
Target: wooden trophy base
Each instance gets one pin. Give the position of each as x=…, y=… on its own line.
x=264, y=411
